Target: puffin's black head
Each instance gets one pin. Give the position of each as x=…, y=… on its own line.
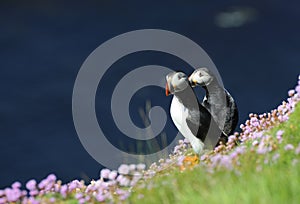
x=201, y=77
x=176, y=81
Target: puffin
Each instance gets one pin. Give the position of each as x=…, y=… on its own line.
x=192, y=119
x=226, y=116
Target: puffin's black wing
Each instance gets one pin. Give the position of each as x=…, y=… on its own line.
x=198, y=122
x=232, y=116
x=197, y=131
x=205, y=103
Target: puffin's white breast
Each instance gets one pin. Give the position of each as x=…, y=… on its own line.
x=179, y=113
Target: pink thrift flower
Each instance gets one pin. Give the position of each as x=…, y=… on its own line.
x=289, y=147
x=51, y=177
x=52, y=200
x=203, y=157
x=132, y=167
x=100, y=197
x=63, y=190
x=255, y=142
x=279, y=132
x=240, y=149
x=180, y=160
x=276, y=157
x=226, y=162
x=123, y=181
x=32, y=200
x=298, y=89
x=31, y=185
x=34, y=192
x=12, y=195
x=283, y=118
x=82, y=201
x=123, y=169
x=73, y=185
x=262, y=150
x=43, y=184
x=297, y=151
x=104, y=173
x=78, y=196
x=186, y=141
x=291, y=93
x=231, y=138
x=254, y=122
x=16, y=184
x=112, y=175
x=141, y=167
x=3, y=200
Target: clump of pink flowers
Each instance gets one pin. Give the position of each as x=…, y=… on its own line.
x=116, y=185
x=254, y=133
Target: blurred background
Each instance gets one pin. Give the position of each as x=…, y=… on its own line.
x=254, y=44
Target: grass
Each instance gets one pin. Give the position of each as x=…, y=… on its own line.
x=253, y=181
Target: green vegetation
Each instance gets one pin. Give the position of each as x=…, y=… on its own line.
x=273, y=177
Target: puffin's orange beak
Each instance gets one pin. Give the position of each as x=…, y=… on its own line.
x=192, y=82
x=167, y=89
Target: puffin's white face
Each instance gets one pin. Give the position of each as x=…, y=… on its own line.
x=201, y=76
x=176, y=81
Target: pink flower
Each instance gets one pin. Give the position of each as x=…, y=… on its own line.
x=203, y=157
x=123, y=181
x=298, y=88
x=297, y=151
x=100, y=197
x=288, y=147
x=262, y=150
x=31, y=185
x=279, y=132
x=283, y=118
x=3, y=200
x=16, y=184
x=51, y=177
x=276, y=157
x=78, y=196
x=291, y=93
x=254, y=121
x=34, y=192
x=186, y=141
x=52, y=200
x=141, y=167
x=12, y=195
x=43, y=184
x=105, y=173
x=226, y=162
x=112, y=175
x=255, y=142
x=73, y=185
x=63, y=190
x=123, y=169
x=180, y=160
x=132, y=167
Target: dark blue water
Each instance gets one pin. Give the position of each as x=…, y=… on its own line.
x=43, y=44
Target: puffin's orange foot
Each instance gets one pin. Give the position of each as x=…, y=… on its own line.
x=189, y=162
